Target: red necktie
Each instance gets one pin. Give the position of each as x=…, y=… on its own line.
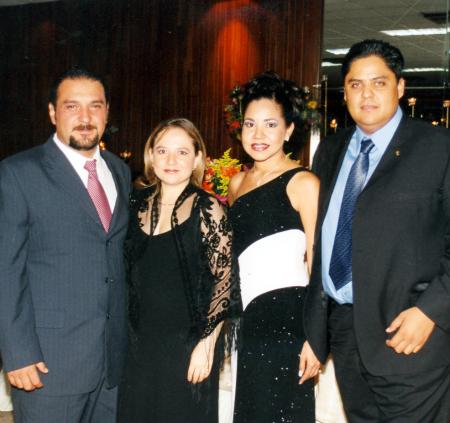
x=97, y=194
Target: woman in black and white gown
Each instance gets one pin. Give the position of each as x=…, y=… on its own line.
x=273, y=215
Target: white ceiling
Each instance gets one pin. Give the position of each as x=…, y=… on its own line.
x=349, y=21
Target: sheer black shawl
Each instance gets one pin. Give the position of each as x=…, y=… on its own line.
x=210, y=275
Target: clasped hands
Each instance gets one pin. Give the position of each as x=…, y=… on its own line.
x=412, y=329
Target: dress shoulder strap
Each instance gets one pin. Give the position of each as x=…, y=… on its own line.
x=289, y=174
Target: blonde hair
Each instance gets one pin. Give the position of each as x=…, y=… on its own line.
x=149, y=177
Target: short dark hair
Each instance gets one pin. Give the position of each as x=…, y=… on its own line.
x=391, y=55
x=76, y=73
x=285, y=93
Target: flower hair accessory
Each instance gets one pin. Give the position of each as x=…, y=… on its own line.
x=310, y=116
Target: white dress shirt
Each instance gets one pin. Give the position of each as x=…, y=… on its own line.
x=78, y=161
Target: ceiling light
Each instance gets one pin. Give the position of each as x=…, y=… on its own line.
x=329, y=64
x=408, y=70
x=412, y=32
x=337, y=51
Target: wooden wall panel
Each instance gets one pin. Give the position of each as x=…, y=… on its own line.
x=161, y=58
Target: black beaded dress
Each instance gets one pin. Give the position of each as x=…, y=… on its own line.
x=166, y=285
x=270, y=242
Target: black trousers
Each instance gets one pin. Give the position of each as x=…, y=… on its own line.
x=411, y=398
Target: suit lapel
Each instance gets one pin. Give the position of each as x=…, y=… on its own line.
x=342, y=145
x=64, y=175
x=392, y=153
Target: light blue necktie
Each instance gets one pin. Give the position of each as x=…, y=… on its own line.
x=341, y=256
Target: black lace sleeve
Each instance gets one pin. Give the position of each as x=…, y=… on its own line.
x=225, y=300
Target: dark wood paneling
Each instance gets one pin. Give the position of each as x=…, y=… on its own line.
x=161, y=58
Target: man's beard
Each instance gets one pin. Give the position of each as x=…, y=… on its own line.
x=85, y=144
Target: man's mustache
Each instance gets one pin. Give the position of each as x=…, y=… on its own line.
x=84, y=127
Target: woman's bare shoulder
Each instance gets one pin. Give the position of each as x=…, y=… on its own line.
x=303, y=188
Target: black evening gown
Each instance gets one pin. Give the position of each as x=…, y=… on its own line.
x=270, y=242
x=154, y=387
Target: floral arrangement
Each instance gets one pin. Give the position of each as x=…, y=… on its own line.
x=309, y=115
x=218, y=173
x=233, y=112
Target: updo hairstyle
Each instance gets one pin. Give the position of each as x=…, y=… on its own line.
x=284, y=92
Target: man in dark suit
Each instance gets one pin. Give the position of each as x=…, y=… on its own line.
x=379, y=296
x=63, y=219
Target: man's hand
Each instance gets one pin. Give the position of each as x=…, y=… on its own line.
x=413, y=330
x=309, y=364
x=27, y=378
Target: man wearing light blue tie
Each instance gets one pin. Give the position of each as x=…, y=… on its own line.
x=379, y=295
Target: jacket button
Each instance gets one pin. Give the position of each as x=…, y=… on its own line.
x=108, y=316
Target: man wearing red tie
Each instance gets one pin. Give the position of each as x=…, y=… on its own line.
x=63, y=219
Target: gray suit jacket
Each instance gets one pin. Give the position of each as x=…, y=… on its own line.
x=62, y=279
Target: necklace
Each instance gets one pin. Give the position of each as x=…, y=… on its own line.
x=264, y=175
x=165, y=204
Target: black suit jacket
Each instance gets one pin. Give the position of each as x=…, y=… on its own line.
x=62, y=278
x=401, y=246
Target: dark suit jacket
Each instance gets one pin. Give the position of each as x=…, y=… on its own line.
x=401, y=246
x=62, y=280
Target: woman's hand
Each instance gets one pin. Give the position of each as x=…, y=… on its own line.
x=201, y=360
x=309, y=364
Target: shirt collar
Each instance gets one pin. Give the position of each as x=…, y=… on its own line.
x=383, y=136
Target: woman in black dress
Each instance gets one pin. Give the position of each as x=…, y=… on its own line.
x=273, y=214
x=183, y=289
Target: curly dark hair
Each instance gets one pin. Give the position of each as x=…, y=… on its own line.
x=391, y=55
x=285, y=93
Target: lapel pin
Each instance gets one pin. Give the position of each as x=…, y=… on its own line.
x=397, y=153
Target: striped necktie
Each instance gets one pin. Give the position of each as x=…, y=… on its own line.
x=97, y=194
x=341, y=256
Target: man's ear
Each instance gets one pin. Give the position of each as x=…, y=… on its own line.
x=52, y=112
x=401, y=87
